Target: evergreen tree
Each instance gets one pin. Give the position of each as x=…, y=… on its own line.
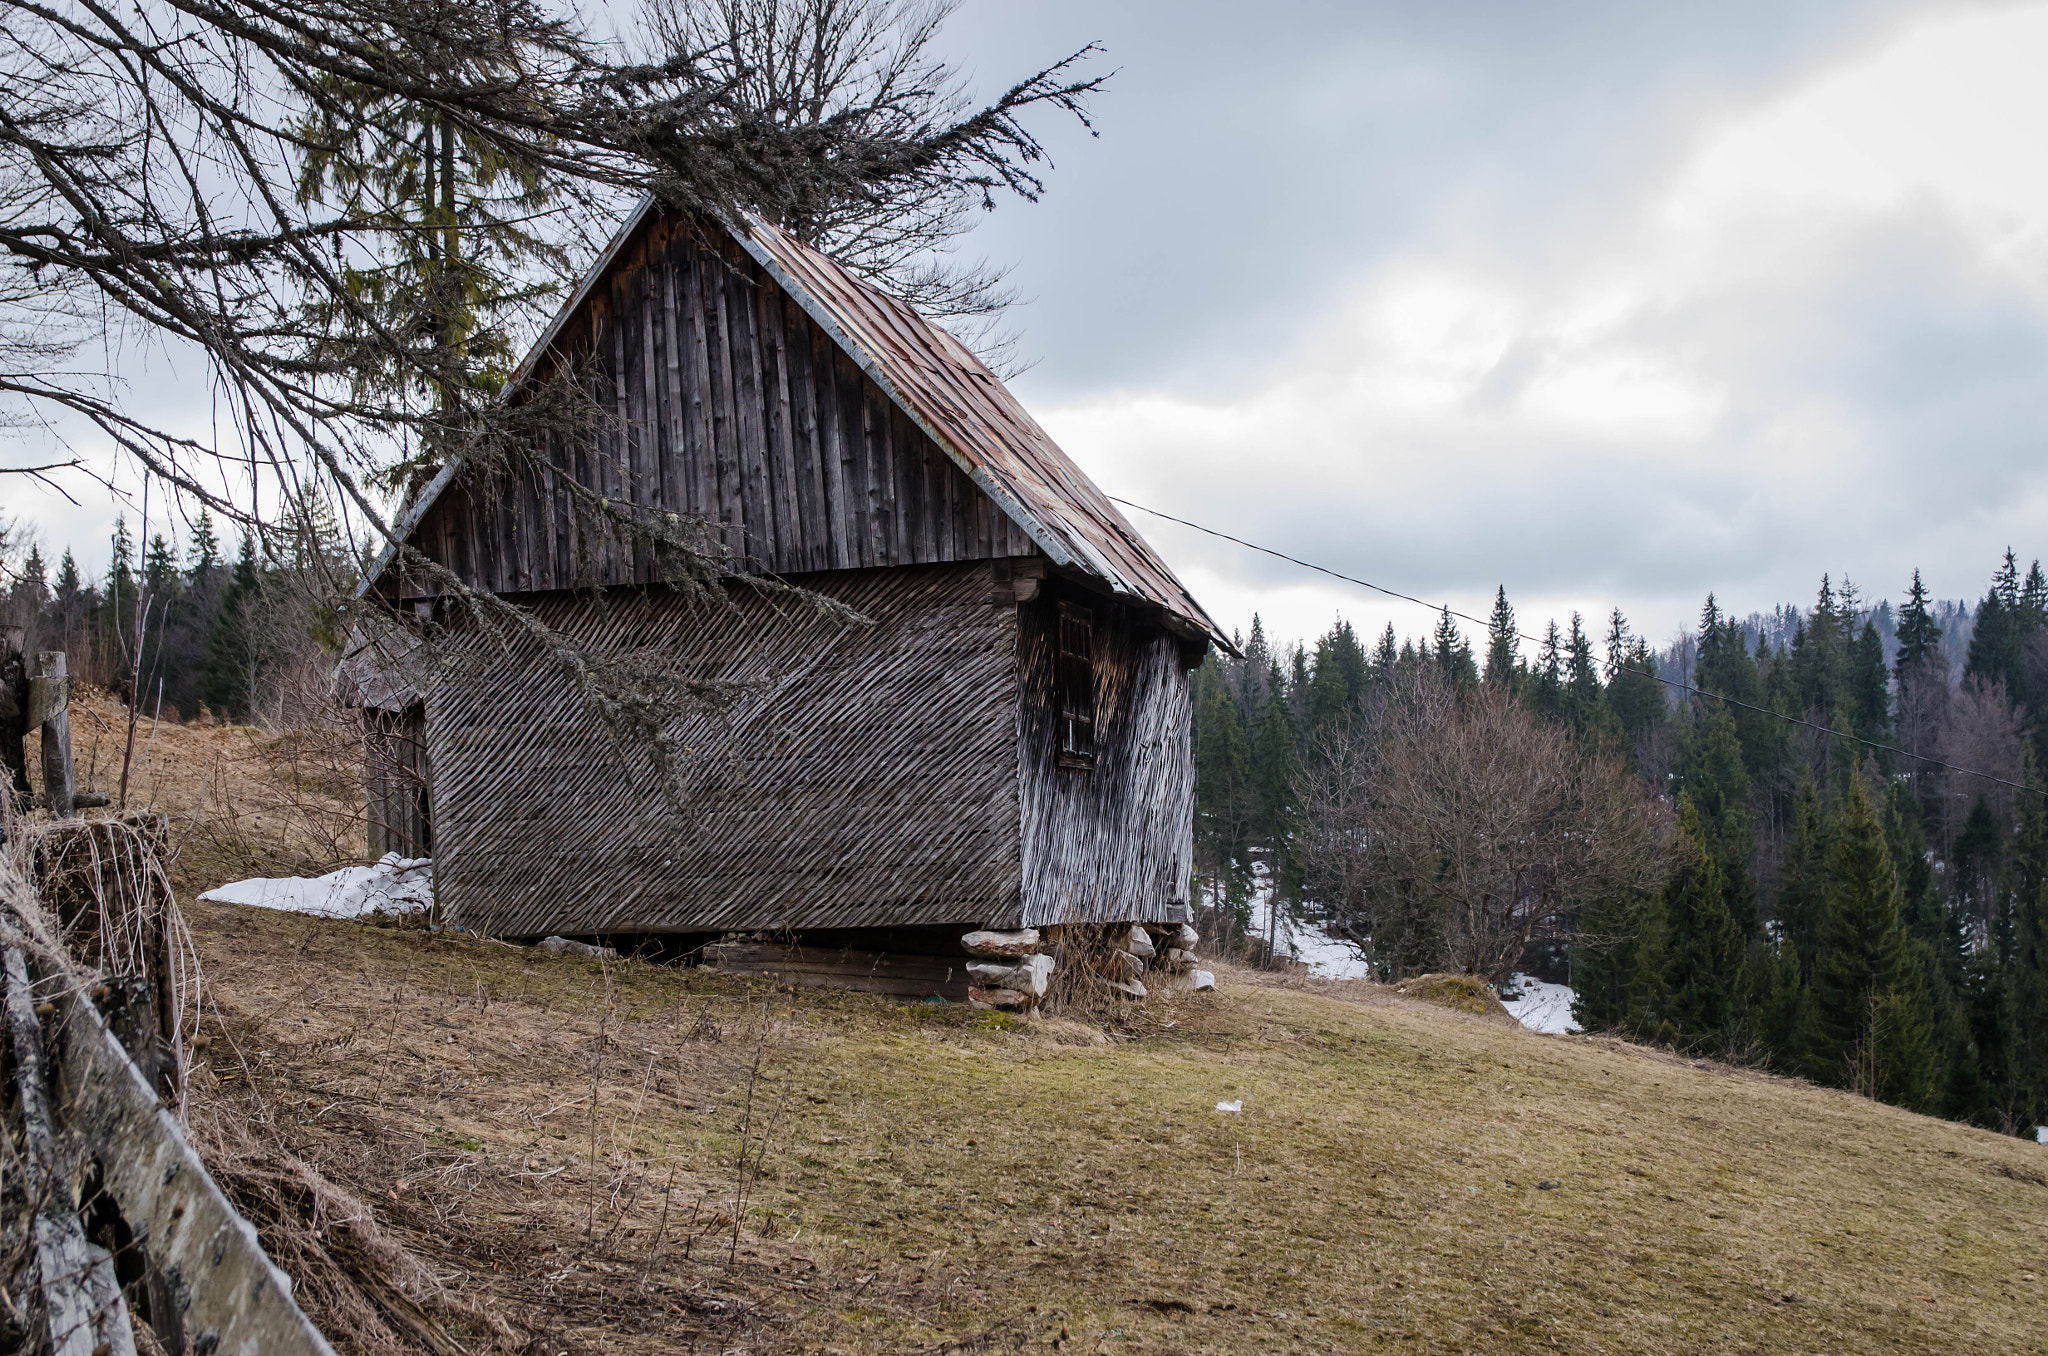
x=1977, y=866
x=1801, y=902
x=1719, y=785
x=1273, y=762
x=1820, y=659
x=1869, y=686
x=1337, y=680
x=1503, y=645
x=1634, y=695
x=1703, y=952
x=1919, y=633
x=1584, y=710
x=202, y=553
x=235, y=648
x=1454, y=655
x=1871, y=1031
x=2006, y=622
x=159, y=566
x=1546, y=680
x=1387, y=655
x=1224, y=799
x=2028, y=962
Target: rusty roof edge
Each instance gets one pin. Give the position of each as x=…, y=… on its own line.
x=873, y=367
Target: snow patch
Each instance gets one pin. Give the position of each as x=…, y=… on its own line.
x=1542, y=1006
x=1323, y=954
x=393, y=885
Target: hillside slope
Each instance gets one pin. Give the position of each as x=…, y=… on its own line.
x=560, y=1140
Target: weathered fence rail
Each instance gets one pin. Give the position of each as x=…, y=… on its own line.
x=108, y=1164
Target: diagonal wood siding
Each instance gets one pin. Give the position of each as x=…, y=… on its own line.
x=1115, y=842
x=728, y=403
x=869, y=777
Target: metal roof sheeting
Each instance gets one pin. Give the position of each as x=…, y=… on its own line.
x=968, y=411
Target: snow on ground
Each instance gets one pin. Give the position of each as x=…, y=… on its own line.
x=1323, y=954
x=1542, y=1006
x=394, y=885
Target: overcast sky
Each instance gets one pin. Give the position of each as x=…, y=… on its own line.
x=1611, y=303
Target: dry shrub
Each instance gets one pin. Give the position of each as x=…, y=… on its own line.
x=105, y=882
x=367, y=1293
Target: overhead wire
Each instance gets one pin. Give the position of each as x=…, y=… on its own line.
x=1613, y=666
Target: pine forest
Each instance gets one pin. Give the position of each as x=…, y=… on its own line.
x=1813, y=841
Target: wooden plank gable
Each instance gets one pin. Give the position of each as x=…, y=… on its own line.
x=725, y=401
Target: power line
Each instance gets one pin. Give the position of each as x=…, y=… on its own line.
x=1613, y=666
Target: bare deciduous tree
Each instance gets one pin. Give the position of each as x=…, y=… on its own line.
x=1441, y=832
x=262, y=195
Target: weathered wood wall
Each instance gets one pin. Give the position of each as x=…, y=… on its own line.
x=729, y=404
x=868, y=777
x=1116, y=841
x=395, y=759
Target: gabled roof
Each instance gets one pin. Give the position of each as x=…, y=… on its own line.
x=950, y=394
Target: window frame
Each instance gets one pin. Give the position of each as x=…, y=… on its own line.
x=1074, y=687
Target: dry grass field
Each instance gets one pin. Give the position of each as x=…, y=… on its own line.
x=242, y=801
x=616, y=1157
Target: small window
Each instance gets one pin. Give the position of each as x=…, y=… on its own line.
x=1075, y=684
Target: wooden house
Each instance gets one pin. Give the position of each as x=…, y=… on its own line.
x=1003, y=744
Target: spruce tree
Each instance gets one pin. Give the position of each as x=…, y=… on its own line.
x=1871, y=1031
x=1869, y=686
x=1996, y=639
x=1718, y=781
x=1919, y=633
x=202, y=553
x=1272, y=779
x=1338, y=679
x=1703, y=950
x=1634, y=694
x=1224, y=799
x=2028, y=963
x=1503, y=645
x=1801, y=902
x=1454, y=655
x=1820, y=659
x=1388, y=654
x=234, y=648
x=1584, y=710
x=1546, y=680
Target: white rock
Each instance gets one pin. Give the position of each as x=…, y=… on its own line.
x=1177, y=959
x=1203, y=981
x=998, y=998
x=1233, y=1106
x=984, y=943
x=1027, y=977
x=1130, y=989
x=1187, y=938
x=1122, y=965
x=1140, y=944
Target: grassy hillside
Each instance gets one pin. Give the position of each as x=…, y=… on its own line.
x=560, y=1141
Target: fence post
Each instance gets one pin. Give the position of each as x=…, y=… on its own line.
x=14, y=714
x=49, y=703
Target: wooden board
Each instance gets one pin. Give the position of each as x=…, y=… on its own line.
x=877, y=972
